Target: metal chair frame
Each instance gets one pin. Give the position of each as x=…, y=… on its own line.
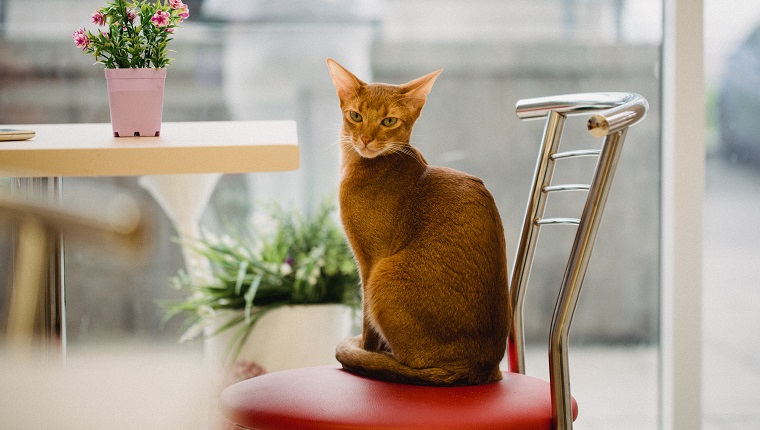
x=613, y=114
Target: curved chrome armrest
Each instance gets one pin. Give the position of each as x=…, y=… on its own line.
x=618, y=118
x=619, y=110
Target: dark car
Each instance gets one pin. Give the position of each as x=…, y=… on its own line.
x=739, y=102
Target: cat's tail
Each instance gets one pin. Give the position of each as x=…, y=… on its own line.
x=382, y=365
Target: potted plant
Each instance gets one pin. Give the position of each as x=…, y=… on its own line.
x=132, y=43
x=287, y=270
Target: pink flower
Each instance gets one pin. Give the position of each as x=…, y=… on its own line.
x=160, y=18
x=80, y=39
x=98, y=18
x=131, y=15
x=185, y=14
x=176, y=4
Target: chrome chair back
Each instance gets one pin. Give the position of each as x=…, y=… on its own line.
x=613, y=114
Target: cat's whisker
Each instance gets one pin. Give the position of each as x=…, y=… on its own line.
x=402, y=148
x=335, y=144
x=395, y=147
x=345, y=141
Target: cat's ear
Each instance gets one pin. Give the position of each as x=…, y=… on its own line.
x=420, y=87
x=345, y=82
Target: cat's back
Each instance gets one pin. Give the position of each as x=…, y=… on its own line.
x=453, y=196
x=449, y=214
x=418, y=208
x=458, y=233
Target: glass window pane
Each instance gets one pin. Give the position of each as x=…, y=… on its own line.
x=731, y=232
x=242, y=60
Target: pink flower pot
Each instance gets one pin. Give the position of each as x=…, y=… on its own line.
x=136, y=100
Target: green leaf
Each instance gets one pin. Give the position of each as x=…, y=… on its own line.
x=250, y=295
x=292, y=258
x=242, y=269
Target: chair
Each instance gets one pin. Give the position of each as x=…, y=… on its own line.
x=102, y=215
x=330, y=398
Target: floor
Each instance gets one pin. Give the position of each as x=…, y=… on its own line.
x=616, y=388
x=731, y=297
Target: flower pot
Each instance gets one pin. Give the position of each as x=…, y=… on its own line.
x=284, y=338
x=136, y=100
x=287, y=337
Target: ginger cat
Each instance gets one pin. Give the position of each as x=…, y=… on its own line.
x=429, y=244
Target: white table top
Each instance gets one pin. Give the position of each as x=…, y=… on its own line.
x=183, y=147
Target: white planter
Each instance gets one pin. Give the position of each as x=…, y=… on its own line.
x=287, y=337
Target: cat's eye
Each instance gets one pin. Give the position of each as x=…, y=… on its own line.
x=389, y=122
x=355, y=116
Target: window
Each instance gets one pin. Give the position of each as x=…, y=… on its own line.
x=731, y=237
x=269, y=63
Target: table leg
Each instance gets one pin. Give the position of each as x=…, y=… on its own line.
x=52, y=321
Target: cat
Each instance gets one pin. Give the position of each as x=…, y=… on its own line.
x=428, y=242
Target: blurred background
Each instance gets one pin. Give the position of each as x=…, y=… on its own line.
x=260, y=60
x=265, y=59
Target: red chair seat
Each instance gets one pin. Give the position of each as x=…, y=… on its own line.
x=331, y=398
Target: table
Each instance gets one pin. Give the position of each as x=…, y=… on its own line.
x=60, y=150
x=183, y=147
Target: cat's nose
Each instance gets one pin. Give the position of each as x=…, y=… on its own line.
x=364, y=140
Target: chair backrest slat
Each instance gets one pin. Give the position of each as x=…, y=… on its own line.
x=558, y=221
x=578, y=153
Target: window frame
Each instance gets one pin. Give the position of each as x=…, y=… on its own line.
x=682, y=193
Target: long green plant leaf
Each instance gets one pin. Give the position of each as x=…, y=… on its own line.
x=242, y=269
x=249, y=296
